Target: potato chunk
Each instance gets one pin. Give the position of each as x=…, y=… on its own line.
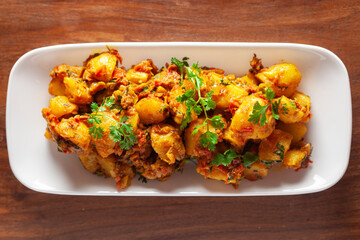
x=151, y=110
x=297, y=130
x=283, y=78
x=275, y=146
x=74, y=131
x=89, y=161
x=167, y=143
x=241, y=129
x=102, y=66
x=295, y=157
x=296, y=109
x=192, y=143
x=224, y=94
x=105, y=145
x=57, y=87
x=177, y=108
x=256, y=171
x=77, y=91
x=61, y=106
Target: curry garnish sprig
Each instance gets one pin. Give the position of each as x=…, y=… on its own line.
x=226, y=158
x=258, y=115
x=121, y=132
x=201, y=105
x=181, y=65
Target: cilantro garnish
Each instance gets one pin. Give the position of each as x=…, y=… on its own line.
x=249, y=158
x=225, y=159
x=202, y=105
x=121, y=132
x=258, y=114
x=181, y=65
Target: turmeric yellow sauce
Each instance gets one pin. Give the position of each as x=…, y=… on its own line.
x=149, y=122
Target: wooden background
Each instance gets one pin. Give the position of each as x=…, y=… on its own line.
x=332, y=214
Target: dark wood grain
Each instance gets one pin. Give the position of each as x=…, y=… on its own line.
x=332, y=214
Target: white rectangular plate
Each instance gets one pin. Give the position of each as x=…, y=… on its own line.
x=37, y=164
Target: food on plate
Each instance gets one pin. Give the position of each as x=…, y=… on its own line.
x=149, y=122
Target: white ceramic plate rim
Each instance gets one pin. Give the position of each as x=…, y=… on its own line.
x=347, y=141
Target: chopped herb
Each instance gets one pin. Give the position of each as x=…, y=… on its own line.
x=280, y=151
x=202, y=105
x=249, y=158
x=284, y=109
x=258, y=115
x=223, y=82
x=181, y=65
x=226, y=158
x=120, y=132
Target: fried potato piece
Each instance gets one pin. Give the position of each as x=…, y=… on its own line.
x=167, y=143
x=256, y=171
x=296, y=109
x=295, y=157
x=151, y=110
x=75, y=131
x=241, y=129
x=77, y=91
x=283, y=78
x=192, y=142
x=102, y=66
x=60, y=106
x=89, y=160
x=274, y=147
x=297, y=130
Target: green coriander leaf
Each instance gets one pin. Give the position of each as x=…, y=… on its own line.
x=219, y=159
x=196, y=129
x=122, y=134
x=96, y=132
x=217, y=122
x=189, y=94
x=269, y=93
x=249, y=158
x=208, y=140
x=181, y=65
x=226, y=158
x=108, y=102
x=275, y=109
x=192, y=75
x=94, y=107
x=258, y=114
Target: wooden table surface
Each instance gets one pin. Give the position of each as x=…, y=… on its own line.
x=331, y=214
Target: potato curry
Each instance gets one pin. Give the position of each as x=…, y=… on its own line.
x=149, y=122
